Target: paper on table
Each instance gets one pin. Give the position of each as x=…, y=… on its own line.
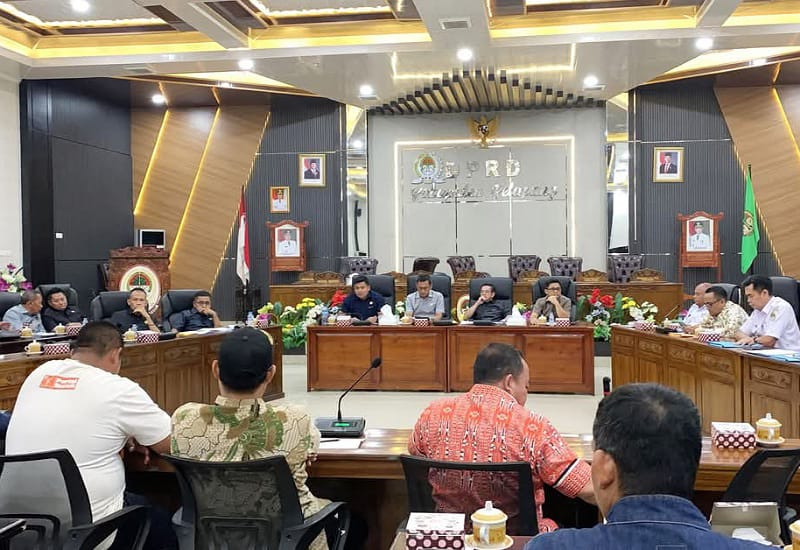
x=345, y=443
x=774, y=351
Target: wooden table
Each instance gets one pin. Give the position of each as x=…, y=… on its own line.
x=727, y=385
x=400, y=542
x=172, y=372
x=440, y=358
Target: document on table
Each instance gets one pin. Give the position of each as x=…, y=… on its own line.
x=775, y=352
x=345, y=443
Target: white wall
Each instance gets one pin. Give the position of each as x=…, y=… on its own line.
x=587, y=216
x=10, y=189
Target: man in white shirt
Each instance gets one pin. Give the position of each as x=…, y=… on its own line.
x=81, y=404
x=698, y=311
x=773, y=323
x=700, y=241
x=287, y=246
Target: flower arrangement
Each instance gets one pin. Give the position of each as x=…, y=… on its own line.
x=602, y=310
x=295, y=319
x=643, y=312
x=525, y=310
x=13, y=280
x=400, y=307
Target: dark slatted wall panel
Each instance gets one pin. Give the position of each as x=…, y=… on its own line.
x=688, y=116
x=297, y=125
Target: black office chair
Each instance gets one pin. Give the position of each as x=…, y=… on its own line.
x=172, y=303
x=7, y=301
x=507, y=484
x=383, y=285
x=764, y=478
x=440, y=282
x=503, y=289
x=106, y=303
x=734, y=292
x=71, y=293
x=47, y=491
x=787, y=288
x=568, y=289
x=248, y=504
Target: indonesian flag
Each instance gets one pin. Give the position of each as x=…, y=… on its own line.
x=243, y=245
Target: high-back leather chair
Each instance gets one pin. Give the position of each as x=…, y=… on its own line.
x=568, y=289
x=787, y=288
x=383, y=285
x=106, y=303
x=360, y=265
x=8, y=300
x=503, y=290
x=71, y=293
x=427, y=263
x=622, y=266
x=173, y=302
x=734, y=292
x=522, y=264
x=565, y=266
x=460, y=264
x=440, y=282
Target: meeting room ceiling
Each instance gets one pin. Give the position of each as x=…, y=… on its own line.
x=384, y=53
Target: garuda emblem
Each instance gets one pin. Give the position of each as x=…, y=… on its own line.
x=483, y=130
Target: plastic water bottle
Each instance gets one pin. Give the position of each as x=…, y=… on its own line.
x=250, y=319
x=325, y=314
x=85, y=321
x=551, y=320
x=134, y=328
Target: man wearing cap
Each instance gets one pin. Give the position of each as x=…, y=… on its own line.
x=240, y=425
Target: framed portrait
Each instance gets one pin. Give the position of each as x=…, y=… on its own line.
x=287, y=245
x=286, y=241
x=278, y=200
x=668, y=164
x=700, y=234
x=312, y=170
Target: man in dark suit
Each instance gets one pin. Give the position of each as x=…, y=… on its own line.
x=667, y=167
x=313, y=171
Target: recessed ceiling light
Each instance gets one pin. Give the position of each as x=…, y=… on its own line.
x=704, y=43
x=464, y=55
x=158, y=99
x=81, y=6
x=758, y=62
x=590, y=81
x=357, y=144
x=246, y=64
x=225, y=85
x=366, y=90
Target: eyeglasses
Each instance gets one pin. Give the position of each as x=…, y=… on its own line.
x=709, y=304
x=553, y=289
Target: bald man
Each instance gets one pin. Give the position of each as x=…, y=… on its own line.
x=697, y=313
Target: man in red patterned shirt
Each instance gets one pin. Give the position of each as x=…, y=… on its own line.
x=491, y=424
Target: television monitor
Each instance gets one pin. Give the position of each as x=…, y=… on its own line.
x=151, y=237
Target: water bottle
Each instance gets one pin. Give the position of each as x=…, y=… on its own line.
x=134, y=328
x=324, y=315
x=551, y=320
x=250, y=319
x=84, y=321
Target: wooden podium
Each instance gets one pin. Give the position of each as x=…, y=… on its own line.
x=139, y=266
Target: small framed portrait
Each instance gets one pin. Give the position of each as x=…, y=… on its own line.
x=312, y=170
x=668, y=164
x=278, y=200
x=286, y=241
x=700, y=234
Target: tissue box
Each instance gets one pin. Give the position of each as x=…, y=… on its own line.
x=147, y=337
x=344, y=321
x=733, y=435
x=760, y=516
x=440, y=531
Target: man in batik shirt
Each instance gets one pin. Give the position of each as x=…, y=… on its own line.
x=491, y=424
x=240, y=425
x=723, y=315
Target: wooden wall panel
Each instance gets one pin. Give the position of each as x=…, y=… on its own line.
x=214, y=203
x=145, y=124
x=764, y=139
x=173, y=171
x=790, y=100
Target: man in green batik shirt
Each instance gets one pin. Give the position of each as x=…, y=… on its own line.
x=240, y=425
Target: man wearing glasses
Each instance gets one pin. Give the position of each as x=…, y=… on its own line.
x=723, y=316
x=200, y=316
x=772, y=323
x=560, y=306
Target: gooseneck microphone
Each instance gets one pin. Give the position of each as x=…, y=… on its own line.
x=374, y=365
x=345, y=427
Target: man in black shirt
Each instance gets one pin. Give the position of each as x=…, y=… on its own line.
x=199, y=316
x=135, y=314
x=58, y=310
x=363, y=303
x=485, y=308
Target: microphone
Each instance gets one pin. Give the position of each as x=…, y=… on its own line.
x=670, y=312
x=346, y=427
x=373, y=365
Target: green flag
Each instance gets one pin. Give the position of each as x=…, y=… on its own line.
x=750, y=234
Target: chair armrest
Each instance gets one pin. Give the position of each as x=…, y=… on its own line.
x=131, y=523
x=301, y=536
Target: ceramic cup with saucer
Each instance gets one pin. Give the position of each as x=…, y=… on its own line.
x=471, y=543
x=26, y=332
x=60, y=329
x=34, y=348
x=489, y=528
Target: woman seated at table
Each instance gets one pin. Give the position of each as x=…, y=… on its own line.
x=58, y=310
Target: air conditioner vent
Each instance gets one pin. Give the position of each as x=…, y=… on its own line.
x=455, y=23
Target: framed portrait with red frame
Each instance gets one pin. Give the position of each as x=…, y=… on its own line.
x=699, y=243
x=287, y=245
